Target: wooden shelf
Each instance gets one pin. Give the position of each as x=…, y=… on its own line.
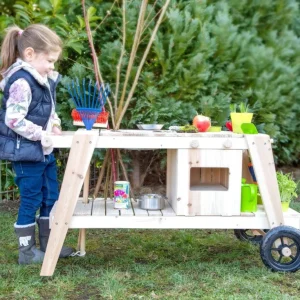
x=100, y=213
x=208, y=187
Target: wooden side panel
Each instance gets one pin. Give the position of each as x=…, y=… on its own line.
x=224, y=177
x=216, y=175
x=172, y=177
x=219, y=191
x=82, y=148
x=195, y=176
x=180, y=182
x=260, y=149
x=206, y=175
x=169, y=178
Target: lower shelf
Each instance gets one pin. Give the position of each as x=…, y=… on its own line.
x=100, y=213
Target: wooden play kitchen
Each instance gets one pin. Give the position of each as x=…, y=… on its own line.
x=204, y=177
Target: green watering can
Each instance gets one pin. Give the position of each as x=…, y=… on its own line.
x=248, y=197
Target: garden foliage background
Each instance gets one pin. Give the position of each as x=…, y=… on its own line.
x=207, y=54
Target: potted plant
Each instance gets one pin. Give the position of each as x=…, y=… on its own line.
x=287, y=189
x=216, y=127
x=238, y=118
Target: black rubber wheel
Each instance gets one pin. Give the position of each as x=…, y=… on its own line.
x=280, y=249
x=247, y=235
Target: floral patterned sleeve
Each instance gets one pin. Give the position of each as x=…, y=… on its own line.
x=16, y=110
x=55, y=120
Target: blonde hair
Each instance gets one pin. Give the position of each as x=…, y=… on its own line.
x=37, y=36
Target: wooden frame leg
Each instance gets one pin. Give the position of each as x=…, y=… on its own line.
x=82, y=231
x=261, y=153
x=81, y=152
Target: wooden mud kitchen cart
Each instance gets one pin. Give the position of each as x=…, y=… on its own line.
x=204, y=175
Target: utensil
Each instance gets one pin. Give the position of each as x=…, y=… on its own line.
x=150, y=126
x=152, y=202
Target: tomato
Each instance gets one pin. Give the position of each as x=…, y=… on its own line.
x=229, y=125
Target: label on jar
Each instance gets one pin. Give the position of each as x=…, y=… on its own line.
x=121, y=194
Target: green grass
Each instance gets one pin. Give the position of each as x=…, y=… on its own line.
x=146, y=264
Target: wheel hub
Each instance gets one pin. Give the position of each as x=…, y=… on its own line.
x=286, y=251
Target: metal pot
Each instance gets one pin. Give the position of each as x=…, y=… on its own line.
x=152, y=202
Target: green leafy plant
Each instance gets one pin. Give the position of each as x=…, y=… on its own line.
x=243, y=107
x=287, y=186
x=188, y=129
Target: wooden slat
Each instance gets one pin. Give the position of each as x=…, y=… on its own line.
x=169, y=172
x=145, y=142
x=83, y=209
x=216, y=175
x=99, y=207
x=137, y=210
x=208, y=187
x=205, y=174
x=198, y=222
x=224, y=177
x=260, y=149
x=151, y=140
x=86, y=186
x=168, y=210
x=82, y=148
x=152, y=213
x=167, y=133
x=110, y=210
x=52, y=213
x=127, y=212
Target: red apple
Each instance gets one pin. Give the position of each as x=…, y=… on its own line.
x=202, y=123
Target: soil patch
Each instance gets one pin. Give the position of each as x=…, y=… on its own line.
x=9, y=205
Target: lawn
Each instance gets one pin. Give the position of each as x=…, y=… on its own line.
x=146, y=264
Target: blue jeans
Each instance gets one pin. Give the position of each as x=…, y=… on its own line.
x=38, y=186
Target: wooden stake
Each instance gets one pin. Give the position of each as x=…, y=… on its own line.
x=100, y=178
x=82, y=232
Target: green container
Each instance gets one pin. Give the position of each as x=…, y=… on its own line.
x=249, y=197
x=259, y=199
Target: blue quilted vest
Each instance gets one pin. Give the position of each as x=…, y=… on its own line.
x=14, y=147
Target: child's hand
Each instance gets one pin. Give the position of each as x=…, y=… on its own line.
x=56, y=130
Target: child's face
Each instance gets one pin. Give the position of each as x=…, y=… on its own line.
x=42, y=62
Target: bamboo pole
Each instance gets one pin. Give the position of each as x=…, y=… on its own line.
x=134, y=48
x=98, y=74
x=118, y=121
x=121, y=55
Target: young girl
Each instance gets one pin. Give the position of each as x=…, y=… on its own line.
x=27, y=115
